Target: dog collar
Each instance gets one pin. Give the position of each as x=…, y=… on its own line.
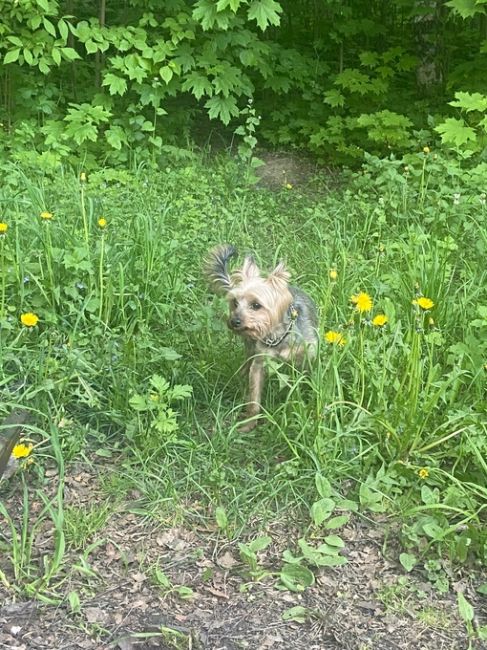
x=293, y=314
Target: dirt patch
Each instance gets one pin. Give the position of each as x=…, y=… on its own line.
x=145, y=586
x=285, y=170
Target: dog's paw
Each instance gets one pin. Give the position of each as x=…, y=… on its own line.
x=245, y=427
x=246, y=424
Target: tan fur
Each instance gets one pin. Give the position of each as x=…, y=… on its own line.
x=260, y=312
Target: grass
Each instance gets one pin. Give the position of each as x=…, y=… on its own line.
x=130, y=359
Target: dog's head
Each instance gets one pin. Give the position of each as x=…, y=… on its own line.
x=257, y=304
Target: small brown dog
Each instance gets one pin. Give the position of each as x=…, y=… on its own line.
x=274, y=318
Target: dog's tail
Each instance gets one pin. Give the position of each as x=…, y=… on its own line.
x=216, y=267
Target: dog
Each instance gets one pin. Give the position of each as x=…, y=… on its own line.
x=274, y=318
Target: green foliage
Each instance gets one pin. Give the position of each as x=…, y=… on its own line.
x=389, y=421
x=121, y=85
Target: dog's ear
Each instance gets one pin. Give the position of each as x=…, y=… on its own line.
x=250, y=269
x=280, y=275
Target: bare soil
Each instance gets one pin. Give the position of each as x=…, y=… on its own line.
x=367, y=604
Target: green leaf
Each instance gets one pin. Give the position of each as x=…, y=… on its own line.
x=161, y=578
x=91, y=46
x=323, y=485
x=116, y=85
x=334, y=98
x=222, y=108
x=159, y=383
x=337, y=522
x=138, y=403
x=296, y=577
x=465, y=8
x=198, y=85
x=299, y=614
x=221, y=518
x=70, y=54
x=116, y=136
x=205, y=12
x=465, y=608
x=63, y=29
x=260, y=543
x=169, y=354
x=408, y=561
x=49, y=27
x=429, y=496
x=455, y=131
x=470, y=102
x=74, y=602
x=335, y=540
x=321, y=510
x=43, y=4
x=56, y=55
x=11, y=56
x=184, y=592
x=221, y=5
x=28, y=56
x=166, y=73
x=265, y=13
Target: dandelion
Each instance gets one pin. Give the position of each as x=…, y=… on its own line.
x=29, y=319
x=380, y=320
x=335, y=338
x=21, y=450
x=102, y=222
x=288, y=186
x=424, y=303
x=426, y=150
x=423, y=473
x=47, y=216
x=333, y=275
x=3, y=228
x=362, y=301
x=82, y=177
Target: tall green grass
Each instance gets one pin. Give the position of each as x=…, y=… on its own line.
x=395, y=417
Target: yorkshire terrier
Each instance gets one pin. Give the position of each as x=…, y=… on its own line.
x=274, y=318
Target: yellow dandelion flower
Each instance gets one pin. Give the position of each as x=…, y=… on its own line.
x=21, y=451
x=335, y=338
x=29, y=319
x=426, y=150
x=3, y=228
x=423, y=473
x=47, y=216
x=102, y=222
x=380, y=320
x=82, y=177
x=424, y=303
x=333, y=275
x=362, y=301
x=288, y=186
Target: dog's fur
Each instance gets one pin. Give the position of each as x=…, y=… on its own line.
x=274, y=318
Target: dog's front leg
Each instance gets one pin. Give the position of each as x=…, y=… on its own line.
x=256, y=385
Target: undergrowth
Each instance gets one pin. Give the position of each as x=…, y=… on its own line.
x=130, y=364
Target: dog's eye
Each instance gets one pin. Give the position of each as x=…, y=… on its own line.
x=234, y=302
x=255, y=306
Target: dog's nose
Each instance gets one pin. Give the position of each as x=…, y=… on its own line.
x=235, y=322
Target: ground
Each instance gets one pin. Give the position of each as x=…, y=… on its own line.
x=144, y=585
